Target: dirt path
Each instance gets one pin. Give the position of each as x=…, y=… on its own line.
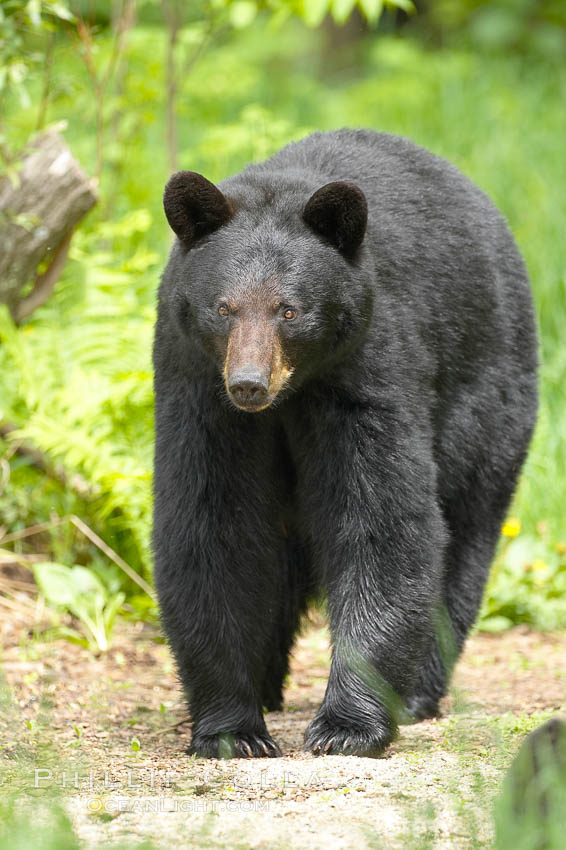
x=103, y=733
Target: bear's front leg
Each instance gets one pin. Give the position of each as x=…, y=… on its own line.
x=216, y=565
x=379, y=537
x=220, y=662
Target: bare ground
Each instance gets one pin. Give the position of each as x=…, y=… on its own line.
x=107, y=735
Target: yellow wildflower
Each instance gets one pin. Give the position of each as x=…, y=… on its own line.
x=512, y=527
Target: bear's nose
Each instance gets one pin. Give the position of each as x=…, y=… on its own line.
x=249, y=388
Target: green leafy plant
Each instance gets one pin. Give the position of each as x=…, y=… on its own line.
x=61, y=381
x=527, y=585
x=80, y=591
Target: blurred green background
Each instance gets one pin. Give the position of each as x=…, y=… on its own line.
x=141, y=89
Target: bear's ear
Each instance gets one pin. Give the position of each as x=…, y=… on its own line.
x=194, y=206
x=339, y=212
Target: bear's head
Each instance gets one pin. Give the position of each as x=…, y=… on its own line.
x=268, y=278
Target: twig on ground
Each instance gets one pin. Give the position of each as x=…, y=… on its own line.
x=31, y=530
x=9, y=557
x=91, y=535
x=110, y=553
x=169, y=728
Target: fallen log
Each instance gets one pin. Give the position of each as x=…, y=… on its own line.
x=39, y=208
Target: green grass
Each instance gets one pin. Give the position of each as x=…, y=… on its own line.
x=501, y=119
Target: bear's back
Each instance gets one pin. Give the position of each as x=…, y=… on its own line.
x=437, y=241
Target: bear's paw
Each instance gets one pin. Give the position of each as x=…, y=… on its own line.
x=233, y=745
x=326, y=738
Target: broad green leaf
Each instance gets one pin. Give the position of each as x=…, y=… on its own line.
x=87, y=584
x=342, y=9
x=54, y=581
x=372, y=9
x=314, y=11
x=497, y=623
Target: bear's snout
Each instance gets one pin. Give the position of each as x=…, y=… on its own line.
x=249, y=389
x=255, y=369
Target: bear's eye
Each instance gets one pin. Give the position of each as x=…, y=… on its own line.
x=290, y=314
x=224, y=310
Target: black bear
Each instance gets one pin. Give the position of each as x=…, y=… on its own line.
x=345, y=377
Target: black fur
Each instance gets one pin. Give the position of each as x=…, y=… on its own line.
x=382, y=471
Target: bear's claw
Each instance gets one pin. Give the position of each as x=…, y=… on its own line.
x=234, y=745
x=323, y=738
